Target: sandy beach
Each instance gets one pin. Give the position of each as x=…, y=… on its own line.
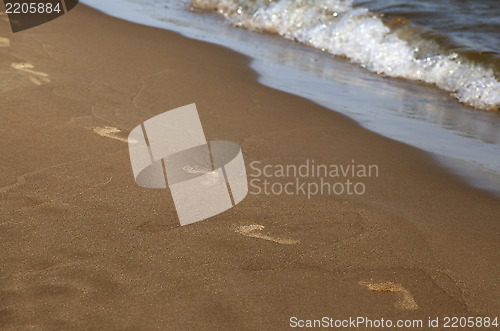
x=84, y=247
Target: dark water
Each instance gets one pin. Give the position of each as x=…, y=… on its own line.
x=473, y=25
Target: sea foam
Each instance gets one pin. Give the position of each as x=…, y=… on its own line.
x=339, y=28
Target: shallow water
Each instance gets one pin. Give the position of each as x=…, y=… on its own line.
x=465, y=139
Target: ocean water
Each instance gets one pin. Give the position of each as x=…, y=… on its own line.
x=385, y=41
x=423, y=72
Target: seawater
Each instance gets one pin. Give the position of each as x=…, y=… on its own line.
x=438, y=106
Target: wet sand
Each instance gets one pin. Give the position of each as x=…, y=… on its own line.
x=84, y=247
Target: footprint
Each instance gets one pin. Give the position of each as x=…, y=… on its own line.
x=4, y=42
x=110, y=132
x=211, y=177
x=406, y=300
x=254, y=231
x=36, y=77
x=196, y=170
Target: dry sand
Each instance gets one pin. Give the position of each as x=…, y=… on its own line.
x=83, y=247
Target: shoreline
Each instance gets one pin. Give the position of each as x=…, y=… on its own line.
x=82, y=240
x=415, y=113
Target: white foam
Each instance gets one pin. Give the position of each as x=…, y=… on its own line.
x=335, y=26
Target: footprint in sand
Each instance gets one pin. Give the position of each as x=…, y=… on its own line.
x=4, y=42
x=211, y=177
x=255, y=231
x=36, y=77
x=406, y=300
x=110, y=132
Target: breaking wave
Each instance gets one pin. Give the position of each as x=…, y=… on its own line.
x=392, y=47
